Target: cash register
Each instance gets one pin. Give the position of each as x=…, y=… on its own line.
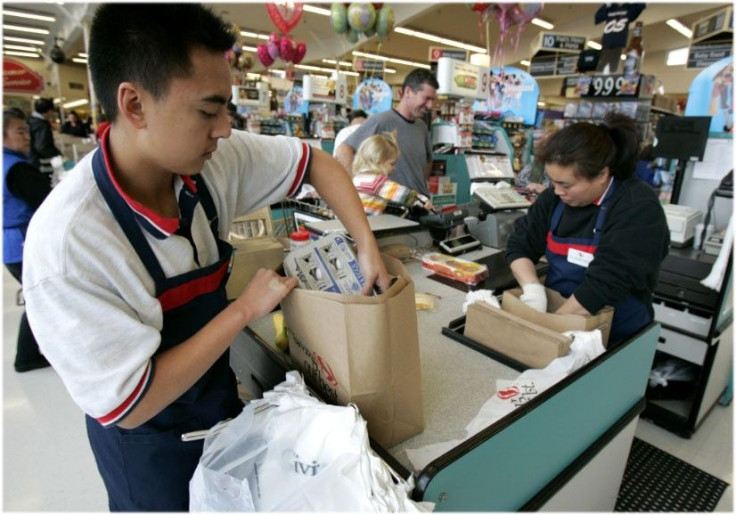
x=500, y=207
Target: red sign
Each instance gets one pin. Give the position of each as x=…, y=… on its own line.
x=19, y=78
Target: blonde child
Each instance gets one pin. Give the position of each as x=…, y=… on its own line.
x=374, y=163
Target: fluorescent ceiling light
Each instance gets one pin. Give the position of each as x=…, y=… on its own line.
x=20, y=54
x=320, y=69
x=22, y=28
x=623, y=57
x=594, y=45
x=79, y=60
x=29, y=16
x=82, y=55
x=75, y=103
x=22, y=48
x=439, y=39
x=341, y=63
x=525, y=62
x=254, y=35
x=316, y=10
x=541, y=104
x=249, y=48
x=253, y=75
x=679, y=27
x=389, y=70
x=392, y=60
x=24, y=40
x=677, y=57
x=539, y=22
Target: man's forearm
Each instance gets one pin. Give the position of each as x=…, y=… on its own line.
x=345, y=155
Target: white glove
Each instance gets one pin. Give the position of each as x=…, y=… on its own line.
x=534, y=296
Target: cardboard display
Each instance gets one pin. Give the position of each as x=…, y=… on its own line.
x=559, y=323
x=250, y=254
x=363, y=350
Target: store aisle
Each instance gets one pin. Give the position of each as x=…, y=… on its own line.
x=48, y=465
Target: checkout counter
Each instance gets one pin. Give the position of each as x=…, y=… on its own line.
x=564, y=450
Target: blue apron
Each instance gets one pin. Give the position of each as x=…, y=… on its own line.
x=631, y=313
x=148, y=468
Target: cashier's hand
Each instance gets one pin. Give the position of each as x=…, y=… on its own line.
x=534, y=296
x=373, y=269
x=263, y=293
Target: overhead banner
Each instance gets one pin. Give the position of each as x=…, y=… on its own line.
x=461, y=79
x=318, y=88
x=19, y=78
x=512, y=95
x=550, y=42
x=373, y=96
x=435, y=52
x=711, y=94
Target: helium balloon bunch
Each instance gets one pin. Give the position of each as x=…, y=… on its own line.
x=356, y=18
x=507, y=15
x=284, y=17
x=236, y=57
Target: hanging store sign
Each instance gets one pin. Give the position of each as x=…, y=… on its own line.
x=435, y=52
x=716, y=23
x=553, y=65
x=550, y=42
x=617, y=86
x=461, y=79
x=367, y=65
x=512, y=95
x=702, y=55
x=19, y=78
x=325, y=89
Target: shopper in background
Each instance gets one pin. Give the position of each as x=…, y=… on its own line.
x=126, y=261
x=418, y=92
x=373, y=165
x=603, y=231
x=24, y=188
x=74, y=126
x=42, y=136
x=355, y=118
x=532, y=177
x=236, y=121
x=645, y=166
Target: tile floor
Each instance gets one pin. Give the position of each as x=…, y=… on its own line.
x=48, y=466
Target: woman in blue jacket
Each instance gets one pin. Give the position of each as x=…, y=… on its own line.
x=24, y=188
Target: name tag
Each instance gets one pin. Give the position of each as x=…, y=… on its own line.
x=580, y=258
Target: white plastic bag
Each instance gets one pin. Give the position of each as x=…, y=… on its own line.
x=291, y=452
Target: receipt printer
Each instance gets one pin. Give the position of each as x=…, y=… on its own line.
x=681, y=221
x=495, y=230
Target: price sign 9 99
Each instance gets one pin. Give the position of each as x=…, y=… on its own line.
x=612, y=86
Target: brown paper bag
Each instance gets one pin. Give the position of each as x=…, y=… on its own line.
x=363, y=350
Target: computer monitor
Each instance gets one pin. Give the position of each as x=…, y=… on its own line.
x=681, y=137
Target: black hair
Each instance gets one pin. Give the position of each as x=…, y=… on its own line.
x=43, y=105
x=12, y=113
x=589, y=148
x=358, y=113
x=73, y=112
x=149, y=44
x=417, y=77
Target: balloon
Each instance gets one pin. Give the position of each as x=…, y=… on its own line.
x=235, y=30
x=274, y=38
x=230, y=57
x=237, y=49
x=339, y=17
x=286, y=48
x=263, y=55
x=300, y=52
x=385, y=21
x=352, y=36
x=285, y=16
x=368, y=33
x=361, y=16
x=245, y=61
x=273, y=50
x=523, y=13
x=377, y=5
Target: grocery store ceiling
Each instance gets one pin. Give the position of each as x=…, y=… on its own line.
x=451, y=20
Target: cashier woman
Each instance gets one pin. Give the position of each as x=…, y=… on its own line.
x=602, y=230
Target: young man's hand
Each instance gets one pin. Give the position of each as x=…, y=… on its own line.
x=263, y=293
x=373, y=269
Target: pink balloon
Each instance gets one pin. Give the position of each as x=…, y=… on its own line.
x=263, y=55
x=273, y=50
x=523, y=13
x=300, y=52
x=286, y=48
x=274, y=38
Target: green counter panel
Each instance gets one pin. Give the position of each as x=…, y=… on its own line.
x=534, y=449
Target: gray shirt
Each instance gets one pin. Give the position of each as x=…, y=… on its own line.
x=413, y=138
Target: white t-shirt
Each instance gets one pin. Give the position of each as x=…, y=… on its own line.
x=89, y=298
x=342, y=136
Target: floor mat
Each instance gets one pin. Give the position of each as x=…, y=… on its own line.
x=657, y=481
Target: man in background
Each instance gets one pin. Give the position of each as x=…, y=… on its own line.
x=355, y=119
x=42, y=137
x=418, y=92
